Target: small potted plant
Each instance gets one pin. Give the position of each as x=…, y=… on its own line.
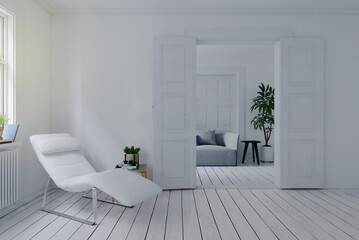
x=132, y=155
x=3, y=120
x=264, y=120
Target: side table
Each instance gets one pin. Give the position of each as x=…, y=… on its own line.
x=254, y=150
x=142, y=168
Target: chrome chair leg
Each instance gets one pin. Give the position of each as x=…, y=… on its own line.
x=94, y=204
x=106, y=201
x=46, y=189
x=94, y=208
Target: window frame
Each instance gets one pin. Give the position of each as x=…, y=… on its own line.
x=7, y=60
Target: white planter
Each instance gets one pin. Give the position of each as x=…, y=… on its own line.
x=132, y=157
x=267, y=154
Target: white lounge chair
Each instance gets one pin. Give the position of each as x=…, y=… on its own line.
x=60, y=155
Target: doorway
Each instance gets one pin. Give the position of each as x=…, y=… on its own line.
x=299, y=107
x=227, y=79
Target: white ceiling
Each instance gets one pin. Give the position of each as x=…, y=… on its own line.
x=181, y=4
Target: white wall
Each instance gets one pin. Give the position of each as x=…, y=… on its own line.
x=102, y=73
x=257, y=62
x=33, y=88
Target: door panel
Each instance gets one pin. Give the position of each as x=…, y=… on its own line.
x=174, y=113
x=299, y=113
x=217, y=102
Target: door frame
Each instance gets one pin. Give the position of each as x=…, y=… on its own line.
x=248, y=36
x=241, y=84
x=240, y=74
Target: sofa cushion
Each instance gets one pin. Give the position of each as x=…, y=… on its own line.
x=220, y=138
x=227, y=139
x=213, y=155
x=206, y=137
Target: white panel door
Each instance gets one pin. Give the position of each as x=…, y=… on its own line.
x=217, y=102
x=174, y=113
x=299, y=106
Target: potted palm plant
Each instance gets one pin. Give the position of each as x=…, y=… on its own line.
x=3, y=120
x=264, y=120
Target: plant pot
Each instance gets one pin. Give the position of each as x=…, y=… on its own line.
x=267, y=154
x=134, y=158
x=1, y=131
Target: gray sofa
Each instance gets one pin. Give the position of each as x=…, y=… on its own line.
x=216, y=149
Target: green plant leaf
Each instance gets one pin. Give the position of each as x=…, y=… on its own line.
x=3, y=119
x=131, y=150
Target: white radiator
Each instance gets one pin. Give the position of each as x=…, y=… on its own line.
x=8, y=177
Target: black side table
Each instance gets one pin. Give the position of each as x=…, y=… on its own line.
x=254, y=149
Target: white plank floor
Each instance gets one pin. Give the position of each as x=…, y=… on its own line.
x=229, y=203
x=242, y=177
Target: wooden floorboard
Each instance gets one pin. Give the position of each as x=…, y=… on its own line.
x=7, y=222
x=191, y=229
x=239, y=221
x=124, y=224
x=204, y=177
x=174, y=223
x=85, y=231
x=288, y=227
x=213, y=176
x=140, y=225
x=157, y=225
x=45, y=221
x=59, y=222
x=108, y=223
x=229, y=203
x=224, y=223
x=336, y=203
x=207, y=222
x=298, y=216
x=270, y=219
x=66, y=227
x=330, y=217
x=330, y=228
x=24, y=224
x=223, y=178
x=260, y=227
x=24, y=207
x=332, y=209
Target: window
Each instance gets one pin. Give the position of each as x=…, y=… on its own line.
x=7, y=64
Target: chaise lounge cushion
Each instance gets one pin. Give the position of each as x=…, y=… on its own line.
x=58, y=145
x=213, y=155
x=127, y=187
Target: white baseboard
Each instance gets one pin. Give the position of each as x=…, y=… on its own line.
x=8, y=209
x=20, y=203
